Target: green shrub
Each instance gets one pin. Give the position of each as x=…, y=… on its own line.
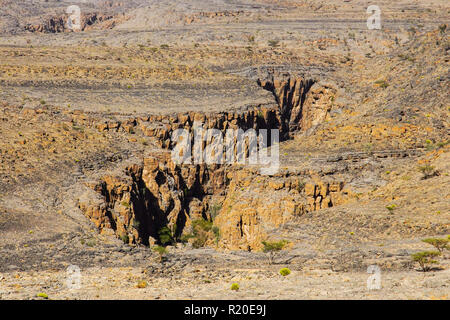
x=425, y=258
x=391, y=208
x=439, y=244
x=382, y=84
x=165, y=236
x=42, y=295
x=216, y=232
x=428, y=171
x=273, y=247
x=285, y=271
x=202, y=231
x=162, y=251
x=124, y=237
x=235, y=287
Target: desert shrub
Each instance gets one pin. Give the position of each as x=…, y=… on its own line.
x=186, y=237
x=42, y=295
x=124, y=237
x=162, y=251
x=142, y=284
x=235, y=287
x=428, y=171
x=442, y=144
x=165, y=236
x=91, y=243
x=285, y=271
x=273, y=247
x=203, y=231
x=273, y=43
x=439, y=244
x=425, y=259
x=216, y=232
x=382, y=84
x=391, y=208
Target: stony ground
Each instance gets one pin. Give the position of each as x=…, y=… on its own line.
x=378, y=112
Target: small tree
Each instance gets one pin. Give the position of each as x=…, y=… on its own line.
x=165, y=236
x=439, y=244
x=161, y=251
x=273, y=247
x=428, y=171
x=202, y=232
x=425, y=258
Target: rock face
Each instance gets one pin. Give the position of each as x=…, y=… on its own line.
x=150, y=196
x=159, y=193
x=303, y=103
x=59, y=24
x=255, y=205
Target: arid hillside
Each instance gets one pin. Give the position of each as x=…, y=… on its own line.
x=88, y=177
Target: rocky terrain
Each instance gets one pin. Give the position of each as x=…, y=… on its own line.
x=87, y=175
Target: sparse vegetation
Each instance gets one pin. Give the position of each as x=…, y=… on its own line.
x=439, y=244
x=285, y=271
x=124, y=237
x=42, y=295
x=162, y=251
x=425, y=259
x=272, y=248
x=273, y=43
x=235, y=287
x=214, y=210
x=91, y=243
x=391, y=208
x=428, y=171
x=166, y=236
x=382, y=84
x=203, y=231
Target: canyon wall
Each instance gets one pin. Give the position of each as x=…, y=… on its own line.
x=145, y=197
